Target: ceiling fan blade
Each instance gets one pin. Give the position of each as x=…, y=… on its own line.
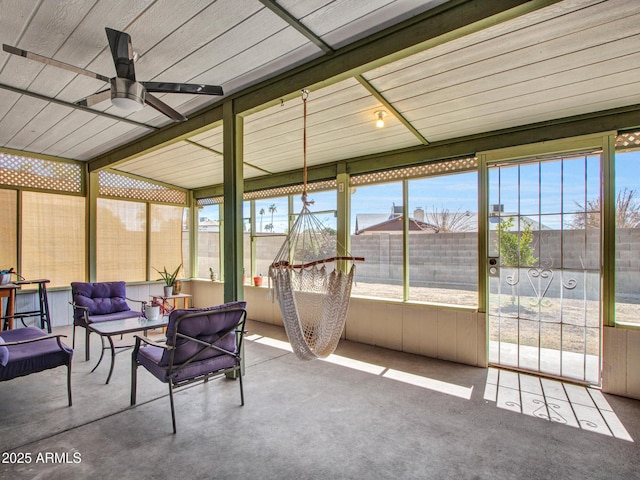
x=94, y=99
x=194, y=88
x=51, y=61
x=163, y=108
x=122, y=53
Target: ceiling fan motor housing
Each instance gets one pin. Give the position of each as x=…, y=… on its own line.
x=127, y=94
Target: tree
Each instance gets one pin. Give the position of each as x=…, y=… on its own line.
x=268, y=227
x=627, y=212
x=261, y=212
x=516, y=250
x=272, y=210
x=447, y=221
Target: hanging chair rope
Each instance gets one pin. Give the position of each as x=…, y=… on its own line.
x=311, y=281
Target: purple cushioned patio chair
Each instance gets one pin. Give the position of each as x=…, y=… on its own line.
x=99, y=302
x=201, y=343
x=24, y=351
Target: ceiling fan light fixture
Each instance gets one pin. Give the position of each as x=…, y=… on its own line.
x=127, y=95
x=380, y=114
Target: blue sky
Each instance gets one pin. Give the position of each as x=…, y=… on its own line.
x=563, y=186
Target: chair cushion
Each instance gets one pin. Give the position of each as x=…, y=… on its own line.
x=150, y=357
x=100, y=298
x=203, y=328
x=113, y=316
x=4, y=354
x=32, y=357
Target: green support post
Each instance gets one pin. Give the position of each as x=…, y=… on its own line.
x=233, y=196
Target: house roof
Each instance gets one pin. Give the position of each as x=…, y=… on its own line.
x=391, y=223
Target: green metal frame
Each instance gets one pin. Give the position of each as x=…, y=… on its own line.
x=233, y=192
x=604, y=141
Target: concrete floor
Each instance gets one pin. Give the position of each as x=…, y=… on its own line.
x=368, y=413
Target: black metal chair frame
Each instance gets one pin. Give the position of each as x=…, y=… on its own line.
x=39, y=339
x=236, y=370
x=85, y=313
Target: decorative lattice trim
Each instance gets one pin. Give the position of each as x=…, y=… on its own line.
x=273, y=192
x=114, y=185
x=424, y=170
x=291, y=190
x=203, y=202
x=628, y=140
x=27, y=172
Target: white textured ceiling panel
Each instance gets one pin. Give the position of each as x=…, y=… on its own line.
x=340, y=22
x=182, y=164
x=569, y=58
x=340, y=125
x=563, y=62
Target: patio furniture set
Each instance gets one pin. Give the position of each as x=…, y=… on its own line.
x=201, y=343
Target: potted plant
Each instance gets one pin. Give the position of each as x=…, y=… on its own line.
x=257, y=281
x=169, y=279
x=212, y=274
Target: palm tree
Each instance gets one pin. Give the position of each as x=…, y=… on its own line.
x=272, y=209
x=261, y=212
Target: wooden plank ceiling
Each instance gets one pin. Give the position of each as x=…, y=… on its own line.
x=568, y=58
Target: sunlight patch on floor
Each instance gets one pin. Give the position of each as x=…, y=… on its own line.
x=397, y=375
x=430, y=383
x=569, y=404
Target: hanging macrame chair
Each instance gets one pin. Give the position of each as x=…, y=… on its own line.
x=312, y=279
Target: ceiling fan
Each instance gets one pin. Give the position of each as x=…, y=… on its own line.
x=125, y=91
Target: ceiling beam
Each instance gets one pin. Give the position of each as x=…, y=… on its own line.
x=162, y=138
x=447, y=22
x=75, y=106
x=204, y=147
x=297, y=24
x=442, y=24
x=396, y=113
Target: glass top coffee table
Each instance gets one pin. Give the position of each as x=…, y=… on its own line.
x=120, y=327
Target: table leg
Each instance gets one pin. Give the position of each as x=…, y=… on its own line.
x=113, y=359
x=7, y=323
x=45, y=316
x=101, y=354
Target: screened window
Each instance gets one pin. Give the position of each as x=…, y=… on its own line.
x=246, y=241
x=627, y=180
x=53, y=238
x=377, y=235
x=121, y=246
x=166, y=238
x=324, y=208
x=8, y=226
x=209, y=241
x=272, y=215
x=443, y=239
x=186, y=254
x=272, y=223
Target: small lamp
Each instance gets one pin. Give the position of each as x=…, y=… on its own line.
x=380, y=118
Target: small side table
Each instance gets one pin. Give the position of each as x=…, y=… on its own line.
x=174, y=299
x=8, y=291
x=43, y=303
